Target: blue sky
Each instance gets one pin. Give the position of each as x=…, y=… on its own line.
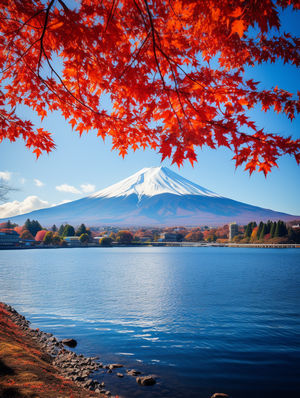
x=79, y=166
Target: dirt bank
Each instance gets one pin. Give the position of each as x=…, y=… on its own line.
x=26, y=368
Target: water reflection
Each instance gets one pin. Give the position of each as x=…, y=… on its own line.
x=204, y=319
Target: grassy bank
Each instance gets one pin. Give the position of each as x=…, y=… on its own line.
x=25, y=370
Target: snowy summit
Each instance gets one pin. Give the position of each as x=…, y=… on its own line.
x=153, y=196
x=153, y=181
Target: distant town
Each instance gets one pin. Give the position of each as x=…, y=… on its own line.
x=33, y=235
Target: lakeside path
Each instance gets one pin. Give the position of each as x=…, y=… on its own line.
x=26, y=368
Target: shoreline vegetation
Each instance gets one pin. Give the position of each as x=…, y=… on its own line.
x=265, y=234
x=166, y=244
x=34, y=363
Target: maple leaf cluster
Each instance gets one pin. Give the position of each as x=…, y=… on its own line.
x=153, y=59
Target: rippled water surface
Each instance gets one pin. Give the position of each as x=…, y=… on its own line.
x=202, y=319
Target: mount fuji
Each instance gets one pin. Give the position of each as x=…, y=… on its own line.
x=153, y=196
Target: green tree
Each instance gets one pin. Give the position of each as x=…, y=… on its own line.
x=54, y=228
x=84, y=238
x=263, y=232
x=273, y=229
x=69, y=230
x=48, y=238
x=248, y=230
x=280, y=229
x=81, y=230
x=56, y=240
x=33, y=226
x=268, y=227
x=61, y=230
x=260, y=227
x=105, y=241
x=9, y=225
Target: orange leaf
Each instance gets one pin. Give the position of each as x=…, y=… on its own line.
x=238, y=27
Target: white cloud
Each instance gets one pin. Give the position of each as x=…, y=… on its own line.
x=87, y=188
x=38, y=183
x=23, y=180
x=61, y=203
x=67, y=188
x=5, y=175
x=15, y=208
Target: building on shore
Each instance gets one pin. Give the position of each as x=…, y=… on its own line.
x=9, y=238
x=73, y=241
x=233, y=230
x=167, y=237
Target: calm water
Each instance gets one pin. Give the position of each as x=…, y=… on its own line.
x=202, y=319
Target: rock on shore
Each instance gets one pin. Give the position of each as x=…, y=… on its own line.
x=77, y=369
x=35, y=363
x=26, y=362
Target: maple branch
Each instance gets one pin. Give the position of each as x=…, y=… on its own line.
x=141, y=13
x=65, y=87
x=64, y=6
x=63, y=101
x=216, y=123
x=24, y=23
x=110, y=16
x=21, y=56
x=158, y=64
x=43, y=33
x=173, y=100
x=5, y=118
x=135, y=56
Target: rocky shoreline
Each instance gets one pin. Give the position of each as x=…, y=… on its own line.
x=71, y=366
x=75, y=369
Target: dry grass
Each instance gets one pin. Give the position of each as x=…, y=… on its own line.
x=25, y=371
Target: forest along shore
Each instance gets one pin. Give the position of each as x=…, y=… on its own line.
x=34, y=363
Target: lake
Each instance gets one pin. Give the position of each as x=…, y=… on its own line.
x=203, y=319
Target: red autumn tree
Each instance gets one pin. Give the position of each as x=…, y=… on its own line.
x=154, y=60
x=39, y=237
x=19, y=229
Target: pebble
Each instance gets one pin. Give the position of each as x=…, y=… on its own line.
x=71, y=365
x=69, y=342
x=115, y=366
x=133, y=372
x=146, y=380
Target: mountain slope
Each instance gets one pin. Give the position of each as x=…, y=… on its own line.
x=153, y=181
x=153, y=196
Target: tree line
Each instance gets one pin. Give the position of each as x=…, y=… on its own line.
x=271, y=231
x=32, y=230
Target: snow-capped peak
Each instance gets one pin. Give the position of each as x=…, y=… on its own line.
x=153, y=181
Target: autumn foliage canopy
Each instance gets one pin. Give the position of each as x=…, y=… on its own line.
x=173, y=72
